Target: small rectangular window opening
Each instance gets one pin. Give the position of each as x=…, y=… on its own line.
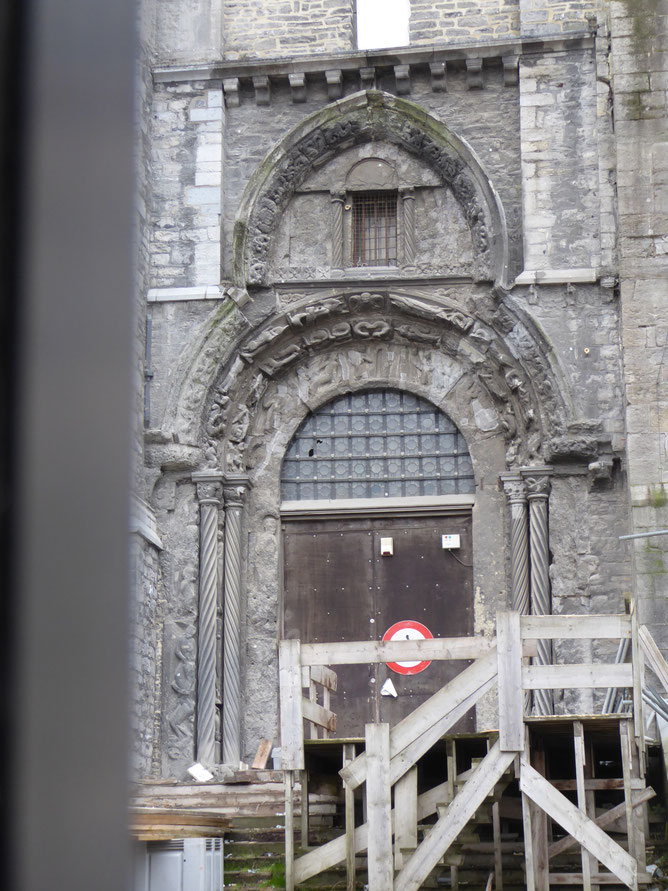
x=374, y=229
x=382, y=23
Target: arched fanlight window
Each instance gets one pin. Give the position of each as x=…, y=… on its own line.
x=376, y=444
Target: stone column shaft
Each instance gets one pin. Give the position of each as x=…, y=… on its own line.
x=516, y=490
x=538, y=487
x=235, y=490
x=337, y=229
x=209, y=493
x=408, y=198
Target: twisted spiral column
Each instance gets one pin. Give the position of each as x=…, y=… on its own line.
x=209, y=493
x=516, y=492
x=234, y=490
x=538, y=488
x=337, y=199
x=408, y=198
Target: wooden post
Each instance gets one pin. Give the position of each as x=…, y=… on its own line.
x=637, y=662
x=511, y=696
x=498, y=862
x=405, y=819
x=379, y=807
x=539, y=832
x=528, y=843
x=348, y=756
x=625, y=743
x=290, y=689
x=304, y=810
x=578, y=745
x=289, y=831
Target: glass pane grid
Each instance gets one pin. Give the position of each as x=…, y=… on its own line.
x=382, y=443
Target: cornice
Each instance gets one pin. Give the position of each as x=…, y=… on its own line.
x=318, y=65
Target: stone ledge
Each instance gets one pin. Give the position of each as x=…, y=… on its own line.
x=558, y=276
x=354, y=61
x=169, y=295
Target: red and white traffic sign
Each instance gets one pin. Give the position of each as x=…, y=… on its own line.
x=408, y=630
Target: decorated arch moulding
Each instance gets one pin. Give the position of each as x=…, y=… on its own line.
x=491, y=382
x=363, y=117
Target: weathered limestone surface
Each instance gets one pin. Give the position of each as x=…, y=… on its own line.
x=561, y=364
x=640, y=81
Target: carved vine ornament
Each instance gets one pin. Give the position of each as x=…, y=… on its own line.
x=310, y=339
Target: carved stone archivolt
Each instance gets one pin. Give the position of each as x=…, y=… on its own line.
x=363, y=117
x=335, y=338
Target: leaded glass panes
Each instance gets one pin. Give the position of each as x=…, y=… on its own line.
x=382, y=443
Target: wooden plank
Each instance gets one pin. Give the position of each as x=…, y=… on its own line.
x=575, y=878
x=457, y=814
x=262, y=754
x=289, y=831
x=432, y=719
x=653, y=655
x=584, y=830
x=559, y=677
x=511, y=697
x=625, y=744
x=638, y=673
x=578, y=748
x=349, y=795
x=575, y=627
x=368, y=651
x=324, y=676
x=596, y=784
x=379, y=807
x=334, y=851
x=318, y=714
x=304, y=813
x=406, y=818
x=290, y=687
x=603, y=820
x=539, y=847
x=498, y=853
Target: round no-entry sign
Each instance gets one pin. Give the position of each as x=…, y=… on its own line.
x=408, y=630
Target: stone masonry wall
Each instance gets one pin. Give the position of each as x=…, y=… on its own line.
x=540, y=17
x=460, y=21
x=284, y=28
x=640, y=82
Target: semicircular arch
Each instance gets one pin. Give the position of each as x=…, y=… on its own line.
x=363, y=117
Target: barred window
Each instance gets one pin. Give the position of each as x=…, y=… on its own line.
x=376, y=444
x=374, y=229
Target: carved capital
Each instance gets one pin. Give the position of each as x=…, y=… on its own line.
x=537, y=481
x=235, y=490
x=515, y=487
x=209, y=486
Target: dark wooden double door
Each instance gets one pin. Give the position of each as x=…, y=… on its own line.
x=338, y=587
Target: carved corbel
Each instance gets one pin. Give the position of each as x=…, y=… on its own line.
x=334, y=78
x=510, y=70
x=402, y=77
x=231, y=92
x=262, y=87
x=297, y=87
x=438, y=81
x=474, y=74
x=368, y=78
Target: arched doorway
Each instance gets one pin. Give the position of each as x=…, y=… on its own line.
x=371, y=484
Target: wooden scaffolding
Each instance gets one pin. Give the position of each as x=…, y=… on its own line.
x=396, y=861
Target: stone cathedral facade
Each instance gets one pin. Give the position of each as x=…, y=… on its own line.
x=392, y=293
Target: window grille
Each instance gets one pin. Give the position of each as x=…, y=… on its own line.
x=381, y=443
x=374, y=229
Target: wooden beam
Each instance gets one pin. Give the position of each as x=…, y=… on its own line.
x=511, y=696
x=406, y=818
x=318, y=714
x=334, y=851
x=604, y=820
x=289, y=831
x=653, y=655
x=596, y=784
x=369, y=651
x=290, y=687
x=625, y=745
x=559, y=677
x=457, y=814
x=348, y=756
x=379, y=807
x=578, y=748
x=637, y=664
x=576, y=627
x=584, y=830
x=262, y=754
x=431, y=720
x=324, y=676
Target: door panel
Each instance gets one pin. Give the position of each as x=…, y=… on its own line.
x=337, y=586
